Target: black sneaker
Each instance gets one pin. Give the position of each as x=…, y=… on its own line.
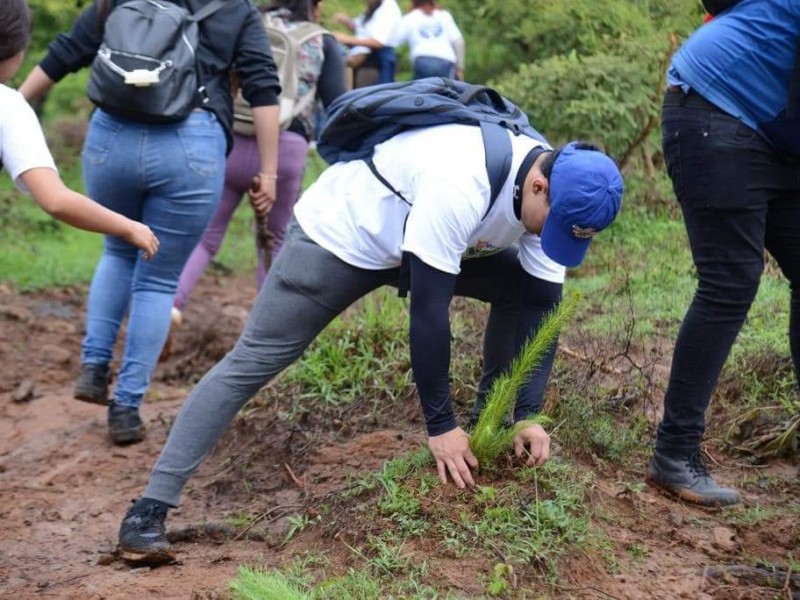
x=124, y=424
x=686, y=477
x=143, y=536
x=92, y=384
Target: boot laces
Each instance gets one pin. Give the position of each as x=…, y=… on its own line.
x=697, y=463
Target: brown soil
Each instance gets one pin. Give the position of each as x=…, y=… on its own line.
x=64, y=487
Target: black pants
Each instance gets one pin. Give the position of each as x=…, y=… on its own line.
x=737, y=197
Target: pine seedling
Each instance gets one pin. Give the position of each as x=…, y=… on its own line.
x=490, y=438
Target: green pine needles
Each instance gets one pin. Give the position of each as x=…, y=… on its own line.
x=490, y=438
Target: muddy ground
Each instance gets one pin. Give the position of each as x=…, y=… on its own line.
x=64, y=487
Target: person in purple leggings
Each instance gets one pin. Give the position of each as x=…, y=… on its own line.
x=321, y=67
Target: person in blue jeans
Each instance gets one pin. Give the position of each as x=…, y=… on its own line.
x=739, y=194
x=170, y=177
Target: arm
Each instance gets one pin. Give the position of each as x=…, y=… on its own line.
x=431, y=293
x=257, y=74
x=331, y=83
x=68, y=53
x=351, y=40
x=79, y=211
x=458, y=46
x=267, y=126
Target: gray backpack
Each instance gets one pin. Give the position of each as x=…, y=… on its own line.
x=297, y=51
x=146, y=67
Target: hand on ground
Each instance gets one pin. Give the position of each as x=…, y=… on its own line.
x=453, y=456
x=532, y=442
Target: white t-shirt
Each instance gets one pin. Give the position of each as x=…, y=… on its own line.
x=441, y=171
x=382, y=24
x=428, y=35
x=22, y=143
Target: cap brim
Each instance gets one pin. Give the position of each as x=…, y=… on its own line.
x=560, y=245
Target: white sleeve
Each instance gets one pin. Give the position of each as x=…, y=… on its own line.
x=451, y=29
x=382, y=24
x=535, y=262
x=400, y=33
x=22, y=143
x=441, y=221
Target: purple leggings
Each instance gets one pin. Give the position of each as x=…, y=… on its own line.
x=243, y=164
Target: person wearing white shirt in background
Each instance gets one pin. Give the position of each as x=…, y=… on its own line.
x=372, y=55
x=24, y=153
x=434, y=41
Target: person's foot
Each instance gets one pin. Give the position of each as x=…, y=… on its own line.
x=143, y=536
x=686, y=477
x=124, y=424
x=92, y=384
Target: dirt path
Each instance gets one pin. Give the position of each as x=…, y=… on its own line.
x=64, y=487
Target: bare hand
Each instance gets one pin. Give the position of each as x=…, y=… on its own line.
x=141, y=236
x=453, y=455
x=533, y=442
x=262, y=194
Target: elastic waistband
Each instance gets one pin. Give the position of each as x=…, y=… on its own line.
x=676, y=97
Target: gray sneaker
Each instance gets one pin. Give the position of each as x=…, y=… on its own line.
x=686, y=477
x=92, y=384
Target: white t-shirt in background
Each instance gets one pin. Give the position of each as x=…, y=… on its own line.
x=428, y=35
x=22, y=143
x=441, y=171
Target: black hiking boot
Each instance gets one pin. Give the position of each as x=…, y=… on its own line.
x=143, y=536
x=92, y=384
x=124, y=424
x=686, y=477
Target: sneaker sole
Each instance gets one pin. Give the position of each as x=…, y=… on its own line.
x=687, y=496
x=156, y=557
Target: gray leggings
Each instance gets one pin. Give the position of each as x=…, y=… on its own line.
x=305, y=289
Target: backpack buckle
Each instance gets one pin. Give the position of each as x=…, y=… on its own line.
x=141, y=77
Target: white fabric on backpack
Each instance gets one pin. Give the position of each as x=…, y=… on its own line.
x=350, y=213
x=297, y=48
x=22, y=143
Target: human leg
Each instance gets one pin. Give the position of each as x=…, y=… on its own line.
x=183, y=194
x=717, y=166
x=304, y=290
x=109, y=293
x=293, y=152
x=240, y=168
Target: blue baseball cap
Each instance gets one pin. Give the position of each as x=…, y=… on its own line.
x=585, y=197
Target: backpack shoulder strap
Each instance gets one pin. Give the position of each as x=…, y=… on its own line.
x=208, y=10
x=793, y=105
x=497, y=147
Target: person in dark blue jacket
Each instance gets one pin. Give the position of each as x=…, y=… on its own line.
x=738, y=185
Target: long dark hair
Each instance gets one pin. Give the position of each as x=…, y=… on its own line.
x=299, y=10
x=15, y=27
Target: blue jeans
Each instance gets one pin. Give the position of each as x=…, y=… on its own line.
x=169, y=177
x=430, y=66
x=738, y=197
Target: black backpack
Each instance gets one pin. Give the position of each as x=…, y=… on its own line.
x=361, y=119
x=146, y=67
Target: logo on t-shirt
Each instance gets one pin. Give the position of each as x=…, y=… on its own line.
x=481, y=249
x=433, y=30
